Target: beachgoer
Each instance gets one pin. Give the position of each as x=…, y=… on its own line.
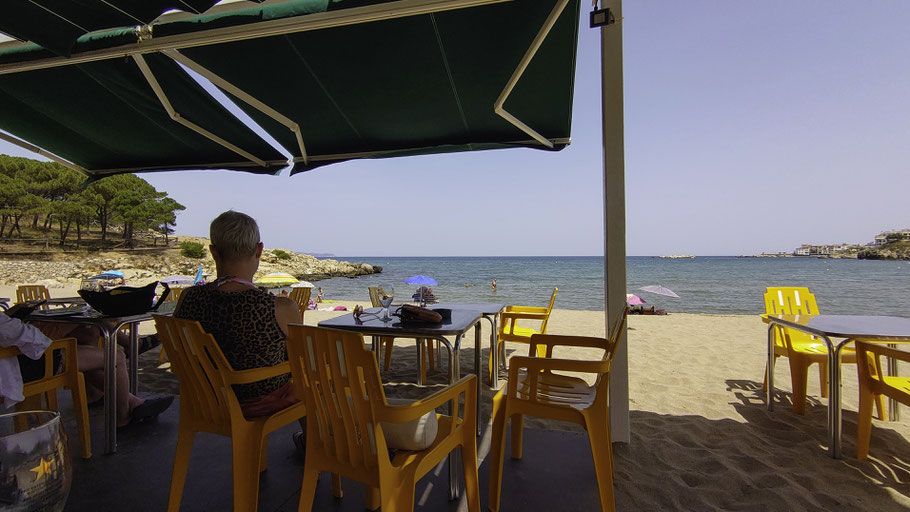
x=248, y=323
x=319, y=296
x=32, y=343
x=493, y=286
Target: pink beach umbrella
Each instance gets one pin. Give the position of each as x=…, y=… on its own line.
x=634, y=300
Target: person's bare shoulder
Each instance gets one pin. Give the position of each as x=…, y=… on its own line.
x=286, y=311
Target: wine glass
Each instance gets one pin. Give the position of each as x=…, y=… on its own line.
x=385, y=300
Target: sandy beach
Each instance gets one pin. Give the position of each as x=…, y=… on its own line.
x=702, y=437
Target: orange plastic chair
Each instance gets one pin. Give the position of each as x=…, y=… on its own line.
x=339, y=379
x=208, y=404
x=389, y=342
x=509, y=330
x=802, y=349
x=541, y=392
x=70, y=379
x=301, y=296
x=27, y=292
x=873, y=386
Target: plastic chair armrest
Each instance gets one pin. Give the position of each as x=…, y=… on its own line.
x=537, y=364
x=555, y=340
x=257, y=374
x=526, y=316
x=525, y=309
x=876, y=347
x=410, y=412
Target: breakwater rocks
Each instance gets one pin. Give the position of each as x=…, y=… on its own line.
x=140, y=267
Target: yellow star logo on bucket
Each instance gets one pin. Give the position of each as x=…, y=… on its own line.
x=43, y=468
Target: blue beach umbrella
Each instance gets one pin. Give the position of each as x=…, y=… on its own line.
x=199, y=276
x=109, y=274
x=426, y=280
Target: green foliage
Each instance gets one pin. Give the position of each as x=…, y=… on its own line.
x=281, y=255
x=49, y=194
x=192, y=249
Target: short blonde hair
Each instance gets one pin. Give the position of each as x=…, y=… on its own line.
x=234, y=235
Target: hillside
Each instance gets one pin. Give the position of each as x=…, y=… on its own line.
x=899, y=250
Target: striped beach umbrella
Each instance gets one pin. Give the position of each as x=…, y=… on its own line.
x=276, y=279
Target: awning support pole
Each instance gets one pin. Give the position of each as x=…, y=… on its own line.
x=47, y=154
x=615, y=213
x=243, y=96
x=162, y=97
x=519, y=71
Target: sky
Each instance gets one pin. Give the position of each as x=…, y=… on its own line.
x=749, y=128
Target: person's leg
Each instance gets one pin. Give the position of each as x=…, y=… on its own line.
x=91, y=363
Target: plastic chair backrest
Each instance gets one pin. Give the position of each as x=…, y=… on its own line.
x=301, y=296
x=174, y=294
x=790, y=300
x=543, y=325
x=197, y=360
x=374, y=296
x=28, y=292
x=338, y=377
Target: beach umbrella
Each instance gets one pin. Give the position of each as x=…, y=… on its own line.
x=177, y=280
x=660, y=290
x=276, y=279
x=303, y=284
x=425, y=280
x=634, y=300
x=109, y=274
x=199, y=275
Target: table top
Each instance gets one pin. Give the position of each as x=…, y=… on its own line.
x=487, y=308
x=846, y=326
x=65, y=300
x=461, y=321
x=79, y=316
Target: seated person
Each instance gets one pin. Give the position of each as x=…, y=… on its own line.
x=32, y=342
x=248, y=323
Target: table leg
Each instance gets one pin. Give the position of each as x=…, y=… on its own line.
x=110, y=389
x=454, y=459
x=478, y=371
x=770, y=374
x=134, y=357
x=421, y=367
x=894, y=411
x=494, y=354
x=834, y=405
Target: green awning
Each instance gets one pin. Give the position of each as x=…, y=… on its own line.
x=329, y=80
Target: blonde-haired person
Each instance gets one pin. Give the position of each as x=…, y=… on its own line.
x=249, y=323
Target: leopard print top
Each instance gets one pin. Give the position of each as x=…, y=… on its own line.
x=245, y=327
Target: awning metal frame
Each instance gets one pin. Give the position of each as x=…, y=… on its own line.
x=43, y=152
x=174, y=115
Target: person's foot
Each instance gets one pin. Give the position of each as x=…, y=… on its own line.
x=299, y=438
x=150, y=408
x=147, y=343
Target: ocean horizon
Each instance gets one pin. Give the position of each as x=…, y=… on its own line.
x=705, y=284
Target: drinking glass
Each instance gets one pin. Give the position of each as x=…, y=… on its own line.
x=385, y=300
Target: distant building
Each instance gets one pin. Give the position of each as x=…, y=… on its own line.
x=888, y=236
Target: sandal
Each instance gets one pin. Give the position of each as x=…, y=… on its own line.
x=150, y=408
x=147, y=343
x=299, y=438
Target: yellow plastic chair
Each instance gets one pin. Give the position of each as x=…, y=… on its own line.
x=509, y=330
x=27, y=292
x=802, y=349
x=301, y=296
x=208, y=404
x=540, y=392
x=70, y=379
x=389, y=343
x=347, y=407
x=874, y=385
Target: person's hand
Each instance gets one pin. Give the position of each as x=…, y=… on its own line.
x=15, y=307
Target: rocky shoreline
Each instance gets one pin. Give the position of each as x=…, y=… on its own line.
x=56, y=269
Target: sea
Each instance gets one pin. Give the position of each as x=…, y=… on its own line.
x=710, y=284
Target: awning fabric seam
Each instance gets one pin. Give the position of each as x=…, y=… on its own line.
x=445, y=63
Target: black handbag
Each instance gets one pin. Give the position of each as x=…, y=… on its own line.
x=125, y=300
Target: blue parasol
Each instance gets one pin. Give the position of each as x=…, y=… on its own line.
x=199, y=277
x=421, y=280
x=109, y=274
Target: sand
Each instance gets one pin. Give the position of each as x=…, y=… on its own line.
x=702, y=437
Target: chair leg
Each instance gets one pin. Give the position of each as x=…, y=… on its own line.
x=373, y=498
x=80, y=408
x=162, y=355
x=799, y=374
x=864, y=423
x=469, y=468
x=181, y=464
x=602, y=453
x=429, y=350
x=497, y=450
x=389, y=345
x=246, y=471
x=880, y=407
x=518, y=422
x=403, y=500
x=336, y=486
x=51, y=399
x=308, y=489
x=264, y=454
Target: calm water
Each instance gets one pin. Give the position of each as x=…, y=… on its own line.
x=704, y=284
